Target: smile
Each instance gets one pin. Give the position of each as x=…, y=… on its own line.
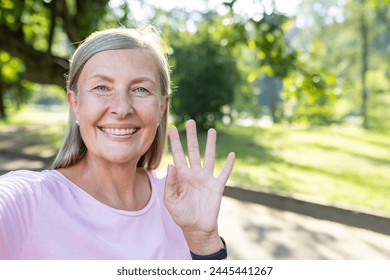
x=119, y=131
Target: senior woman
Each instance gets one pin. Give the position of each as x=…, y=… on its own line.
x=102, y=199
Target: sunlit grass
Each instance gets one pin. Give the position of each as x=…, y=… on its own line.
x=46, y=129
x=30, y=115
x=344, y=165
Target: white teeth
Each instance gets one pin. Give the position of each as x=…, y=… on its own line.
x=119, y=131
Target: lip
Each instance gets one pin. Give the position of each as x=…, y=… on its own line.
x=119, y=131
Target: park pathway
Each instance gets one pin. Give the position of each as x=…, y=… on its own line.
x=254, y=231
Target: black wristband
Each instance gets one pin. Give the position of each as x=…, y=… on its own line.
x=220, y=255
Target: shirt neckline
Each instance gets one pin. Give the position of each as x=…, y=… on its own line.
x=90, y=199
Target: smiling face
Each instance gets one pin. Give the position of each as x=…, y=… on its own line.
x=118, y=105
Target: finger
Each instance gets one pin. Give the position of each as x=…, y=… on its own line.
x=227, y=169
x=170, y=182
x=179, y=157
x=209, y=155
x=192, y=144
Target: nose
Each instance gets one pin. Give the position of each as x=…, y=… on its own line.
x=122, y=105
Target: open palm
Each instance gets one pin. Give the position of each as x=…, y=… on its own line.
x=192, y=193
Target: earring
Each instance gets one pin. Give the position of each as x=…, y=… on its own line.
x=77, y=122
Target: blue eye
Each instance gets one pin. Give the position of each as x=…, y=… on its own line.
x=100, y=88
x=141, y=91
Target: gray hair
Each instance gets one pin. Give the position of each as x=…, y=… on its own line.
x=73, y=148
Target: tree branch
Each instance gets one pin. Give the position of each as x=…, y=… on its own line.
x=69, y=22
x=53, y=17
x=41, y=67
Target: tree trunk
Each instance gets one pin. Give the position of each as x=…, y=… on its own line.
x=3, y=114
x=364, y=34
x=274, y=99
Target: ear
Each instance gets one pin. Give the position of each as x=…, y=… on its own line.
x=164, y=105
x=72, y=101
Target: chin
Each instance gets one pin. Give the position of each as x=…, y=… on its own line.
x=119, y=159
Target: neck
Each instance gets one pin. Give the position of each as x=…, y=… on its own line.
x=121, y=186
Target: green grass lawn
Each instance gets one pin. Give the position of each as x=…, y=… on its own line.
x=338, y=164
x=52, y=122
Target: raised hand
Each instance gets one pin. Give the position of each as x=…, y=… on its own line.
x=192, y=193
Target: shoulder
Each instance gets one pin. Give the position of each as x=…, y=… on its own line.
x=25, y=178
x=21, y=174
x=156, y=177
x=24, y=183
x=157, y=182
x=22, y=191
x=19, y=179
x=20, y=196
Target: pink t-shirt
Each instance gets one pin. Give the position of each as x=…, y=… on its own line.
x=43, y=215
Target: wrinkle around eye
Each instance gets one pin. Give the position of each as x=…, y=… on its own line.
x=101, y=89
x=142, y=91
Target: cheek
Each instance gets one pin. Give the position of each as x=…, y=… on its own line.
x=149, y=111
x=90, y=107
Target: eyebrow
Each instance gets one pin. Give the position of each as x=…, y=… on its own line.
x=109, y=79
x=101, y=76
x=144, y=79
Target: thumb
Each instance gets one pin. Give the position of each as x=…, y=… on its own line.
x=170, y=182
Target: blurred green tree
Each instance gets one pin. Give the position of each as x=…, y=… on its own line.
x=309, y=93
x=354, y=36
x=33, y=36
x=263, y=33
x=205, y=75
